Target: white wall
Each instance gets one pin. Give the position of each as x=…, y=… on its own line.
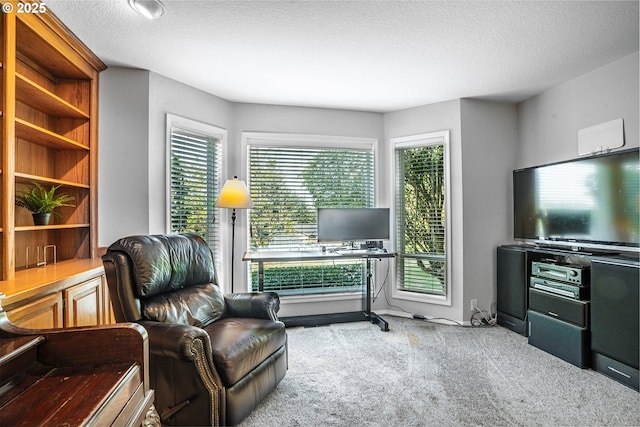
x=433, y=118
x=485, y=146
x=549, y=122
x=169, y=96
x=489, y=141
x=123, y=174
x=483, y=143
x=132, y=157
x=299, y=120
x=132, y=151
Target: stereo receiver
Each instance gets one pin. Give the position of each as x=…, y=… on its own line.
x=574, y=274
x=559, y=288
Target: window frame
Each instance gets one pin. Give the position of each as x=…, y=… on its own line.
x=274, y=139
x=219, y=133
x=412, y=141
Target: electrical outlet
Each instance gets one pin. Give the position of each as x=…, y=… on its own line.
x=474, y=304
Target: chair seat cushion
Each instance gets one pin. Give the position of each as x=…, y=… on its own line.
x=197, y=305
x=241, y=344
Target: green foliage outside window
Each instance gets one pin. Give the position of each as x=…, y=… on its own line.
x=287, y=193
x=422, y=218
x=286, y=279
x=288, y=184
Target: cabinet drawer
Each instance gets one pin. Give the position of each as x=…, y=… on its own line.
x=43, y=313
x=564, y=340
x=567, y=309
x=618, y=371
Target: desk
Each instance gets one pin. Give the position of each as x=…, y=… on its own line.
x=286, y=256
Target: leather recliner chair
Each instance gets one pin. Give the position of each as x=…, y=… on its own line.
x=213, y=357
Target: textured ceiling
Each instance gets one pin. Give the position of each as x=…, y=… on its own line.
x=361, y=55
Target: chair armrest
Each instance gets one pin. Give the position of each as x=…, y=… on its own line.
x=175, y=340
x=262, y=305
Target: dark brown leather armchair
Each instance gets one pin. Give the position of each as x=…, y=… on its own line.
x=213, y=357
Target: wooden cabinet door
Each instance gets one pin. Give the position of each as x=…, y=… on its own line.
x=40, y=314
x=615, y=311
x=84, y=304
x=109, y=317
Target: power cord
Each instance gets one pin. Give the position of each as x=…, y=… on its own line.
x=383, y=289
x=433, y=319
x=483, y=317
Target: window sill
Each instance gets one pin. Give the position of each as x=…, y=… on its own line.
x=422, y=298
x=302, y=299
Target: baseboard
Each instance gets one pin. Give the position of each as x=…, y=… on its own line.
x=358, y=316
x=513, y=323
x=439, y=320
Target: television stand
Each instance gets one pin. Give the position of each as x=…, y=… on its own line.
x=599, y=331
x=567, y=249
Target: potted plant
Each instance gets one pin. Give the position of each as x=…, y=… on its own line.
x=42, y=202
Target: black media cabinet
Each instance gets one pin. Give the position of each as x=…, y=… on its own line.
x=615, y=328
x=598, y=328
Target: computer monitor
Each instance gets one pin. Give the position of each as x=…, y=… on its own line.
x=353, y=224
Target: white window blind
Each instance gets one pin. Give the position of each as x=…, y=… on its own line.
x=421, y=217
x=195, y=164
x=288, y=183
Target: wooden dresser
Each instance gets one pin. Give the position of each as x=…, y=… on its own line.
x=91, y=376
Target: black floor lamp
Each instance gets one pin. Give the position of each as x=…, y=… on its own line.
x=234, y=195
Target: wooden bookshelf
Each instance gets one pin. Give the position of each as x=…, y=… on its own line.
x=48, y=116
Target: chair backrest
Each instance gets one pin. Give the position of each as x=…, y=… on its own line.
x=168, y=278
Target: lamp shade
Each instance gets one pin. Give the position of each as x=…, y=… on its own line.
x=234, y=194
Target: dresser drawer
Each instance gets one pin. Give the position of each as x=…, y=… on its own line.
x=559, y=307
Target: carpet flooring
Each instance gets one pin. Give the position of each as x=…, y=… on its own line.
x=426, y=374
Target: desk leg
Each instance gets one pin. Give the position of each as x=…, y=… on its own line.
x=260, y=276
x=366, y=303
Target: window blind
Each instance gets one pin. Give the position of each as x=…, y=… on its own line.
x=288, y=184
x=195, y=163
x=421, y=219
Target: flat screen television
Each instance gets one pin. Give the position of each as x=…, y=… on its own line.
x=591, y=202
x=352, y=224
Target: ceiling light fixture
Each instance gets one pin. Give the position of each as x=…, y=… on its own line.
x=150, y=9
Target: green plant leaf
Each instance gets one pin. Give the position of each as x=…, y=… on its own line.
x=39, y=200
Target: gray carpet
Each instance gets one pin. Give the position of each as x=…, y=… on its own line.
x=426, y=374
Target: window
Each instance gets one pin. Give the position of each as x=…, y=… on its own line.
x=194, y=179
x=290, y=177
x=422, y=211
